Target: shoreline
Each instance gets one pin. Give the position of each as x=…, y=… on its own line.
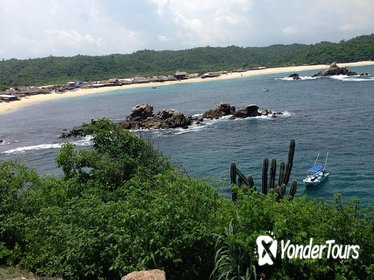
x=35, y=99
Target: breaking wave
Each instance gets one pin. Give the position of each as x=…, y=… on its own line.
x=345, y=78
x=302, y=78
x=86, y=141
x=357, y=78
x=195, y=127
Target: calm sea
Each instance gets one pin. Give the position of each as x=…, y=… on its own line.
x=334, y=115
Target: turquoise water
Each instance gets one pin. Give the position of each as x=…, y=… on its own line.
x=329, y=114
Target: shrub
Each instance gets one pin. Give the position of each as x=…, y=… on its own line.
x=121, y=206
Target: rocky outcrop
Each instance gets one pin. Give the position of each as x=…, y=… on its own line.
x=333, y=70
x=154, y=274
x=142, y=116
x=76, y=131
x=141, y=112
x=223, y=109
x=249, y=111
x=295, y=76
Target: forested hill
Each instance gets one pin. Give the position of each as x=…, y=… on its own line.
x=51, y=70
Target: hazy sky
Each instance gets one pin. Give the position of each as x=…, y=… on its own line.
x=38, y=28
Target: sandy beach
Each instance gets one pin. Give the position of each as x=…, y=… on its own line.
x=11, y=106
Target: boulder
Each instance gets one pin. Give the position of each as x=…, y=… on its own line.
x=295, y=76
x=223, y=109
x=249, y=111
x=241, y=113
x=333, y=70
x=141, y=112
x=154, y=274
x=175, y=119
x=75, y=132
x=252, y=111
x=266, y=112
x=166, y=114
x=170, y=118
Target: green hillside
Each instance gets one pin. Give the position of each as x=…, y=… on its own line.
x=50, y=70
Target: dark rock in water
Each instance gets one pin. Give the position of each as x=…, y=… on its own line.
x=141, y=112
x=170, y=118
x=333, y=70
x=1, y=141
x=249, y=111
x=266, y=112
x=166, y=114
x=142, y=117
x=75, y=132
x=173, y=119
x=223, y=109
x=252, y=111
x=295, y=76
x=241, y=113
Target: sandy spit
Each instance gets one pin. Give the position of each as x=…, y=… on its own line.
x=11, y=106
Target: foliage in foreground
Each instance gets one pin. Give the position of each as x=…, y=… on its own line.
x=121, y=206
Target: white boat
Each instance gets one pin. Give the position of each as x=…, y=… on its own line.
x=316, y=174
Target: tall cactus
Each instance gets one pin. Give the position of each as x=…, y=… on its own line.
x=293, y=188
x=265, y=167
x=233, y=173
x=273, y=171
x=291, y=153
x=250, y=182
x=269, y=182
x=282, y=171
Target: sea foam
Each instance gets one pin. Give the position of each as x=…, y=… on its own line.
x=206, y=124
x=302, y=78
x=357, y=78
x=86, y=141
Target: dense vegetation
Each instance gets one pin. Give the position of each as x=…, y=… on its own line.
x=51, y=70
x=121, y=206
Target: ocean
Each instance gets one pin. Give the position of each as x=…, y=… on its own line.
x=334, y=115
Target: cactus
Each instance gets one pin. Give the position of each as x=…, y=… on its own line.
x=250, y=182
x=273, y=171
x=240, y=182
x=265, y=167
x=233, y=173
x=291, y=153
x=268, y=184
x=293, y=188
x=278, y=192
x=282, y=171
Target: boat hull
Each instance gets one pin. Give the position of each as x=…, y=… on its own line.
x=316, y=179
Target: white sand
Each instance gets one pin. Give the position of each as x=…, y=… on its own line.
x=6, y=107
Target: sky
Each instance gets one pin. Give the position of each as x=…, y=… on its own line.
x=40, y=28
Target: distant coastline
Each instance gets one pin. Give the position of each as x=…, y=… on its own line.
x=7, y=107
